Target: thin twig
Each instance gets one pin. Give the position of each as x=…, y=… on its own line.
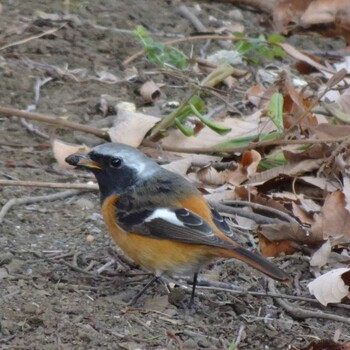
x=261, y=207
x=26, y=200
x=228, y=287
x=189, y=15
x=259, y=219
x=251, y=145
x=172, y=335
x=300, y=313
x=78, y=186
x=33, y=37
x=60, y=122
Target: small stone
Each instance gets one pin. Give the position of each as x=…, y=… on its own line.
x=5, y=258
x=190, y=344
x=90, y=238
x=236, y=15
x=3, y=273
x=84, y=204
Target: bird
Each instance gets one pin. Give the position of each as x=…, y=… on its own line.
x=160, y=219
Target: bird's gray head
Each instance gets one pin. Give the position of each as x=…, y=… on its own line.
x=117, y=167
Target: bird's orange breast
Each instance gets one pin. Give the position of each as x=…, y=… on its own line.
x=158, y=255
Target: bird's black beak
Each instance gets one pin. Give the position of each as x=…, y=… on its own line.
x=82, y=160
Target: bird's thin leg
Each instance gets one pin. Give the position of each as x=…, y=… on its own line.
x=147, y=285
x=194, y=283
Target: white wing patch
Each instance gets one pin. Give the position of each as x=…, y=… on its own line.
x=165, y=214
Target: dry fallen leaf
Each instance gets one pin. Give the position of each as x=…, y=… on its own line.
x=275, y=248
x=210, y=176
x=292, y=51
x=325, y=344
x=290, y=231
x=131, y=127
x=346, y=192
x=234, y=174
x=324, y=11
x=330, y=287
x=287, y=12
x=334, y=219
x=61, y=150
x=181, y=166
x=320, y=256
x=251, y=125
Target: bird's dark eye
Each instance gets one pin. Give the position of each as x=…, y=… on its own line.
x=115, y=162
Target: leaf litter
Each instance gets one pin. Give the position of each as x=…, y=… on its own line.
x=285, y=154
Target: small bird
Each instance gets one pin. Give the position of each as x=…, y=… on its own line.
x=159, y=219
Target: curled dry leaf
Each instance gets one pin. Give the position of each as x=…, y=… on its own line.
x=150, y=91
x=61, y=150
x=234, y=174
x=330, y=287
x=254, y=94
x=131, y=127
x=210, y=176
x=250, y=161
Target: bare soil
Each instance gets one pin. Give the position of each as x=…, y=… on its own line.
x=52, y=295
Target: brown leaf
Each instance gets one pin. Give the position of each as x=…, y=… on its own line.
x=254, y=94
x=287, y=12
x=314, y=152
x=324, y=11
x=131, y=127
x=330, y=130
x=334, y=219
x=61, y=150
x=291, y=231
x=234, y=174
x=324, y=345
x=291, y=169
x=301, y=214
x=275, y=248
x=292, y=51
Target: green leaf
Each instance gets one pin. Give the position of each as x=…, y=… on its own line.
x=238, y=141
x=273, y=160
x=275, y=38
x=187, y=110
x=238, y=34
x=187, y=131
x=273, y=135
x=275, y=110
x=217, y=127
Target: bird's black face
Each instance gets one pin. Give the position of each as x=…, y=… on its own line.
x=112, y=171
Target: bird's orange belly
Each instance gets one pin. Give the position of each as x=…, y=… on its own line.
x=156, y=255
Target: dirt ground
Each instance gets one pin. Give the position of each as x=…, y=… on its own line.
x=53, y=294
